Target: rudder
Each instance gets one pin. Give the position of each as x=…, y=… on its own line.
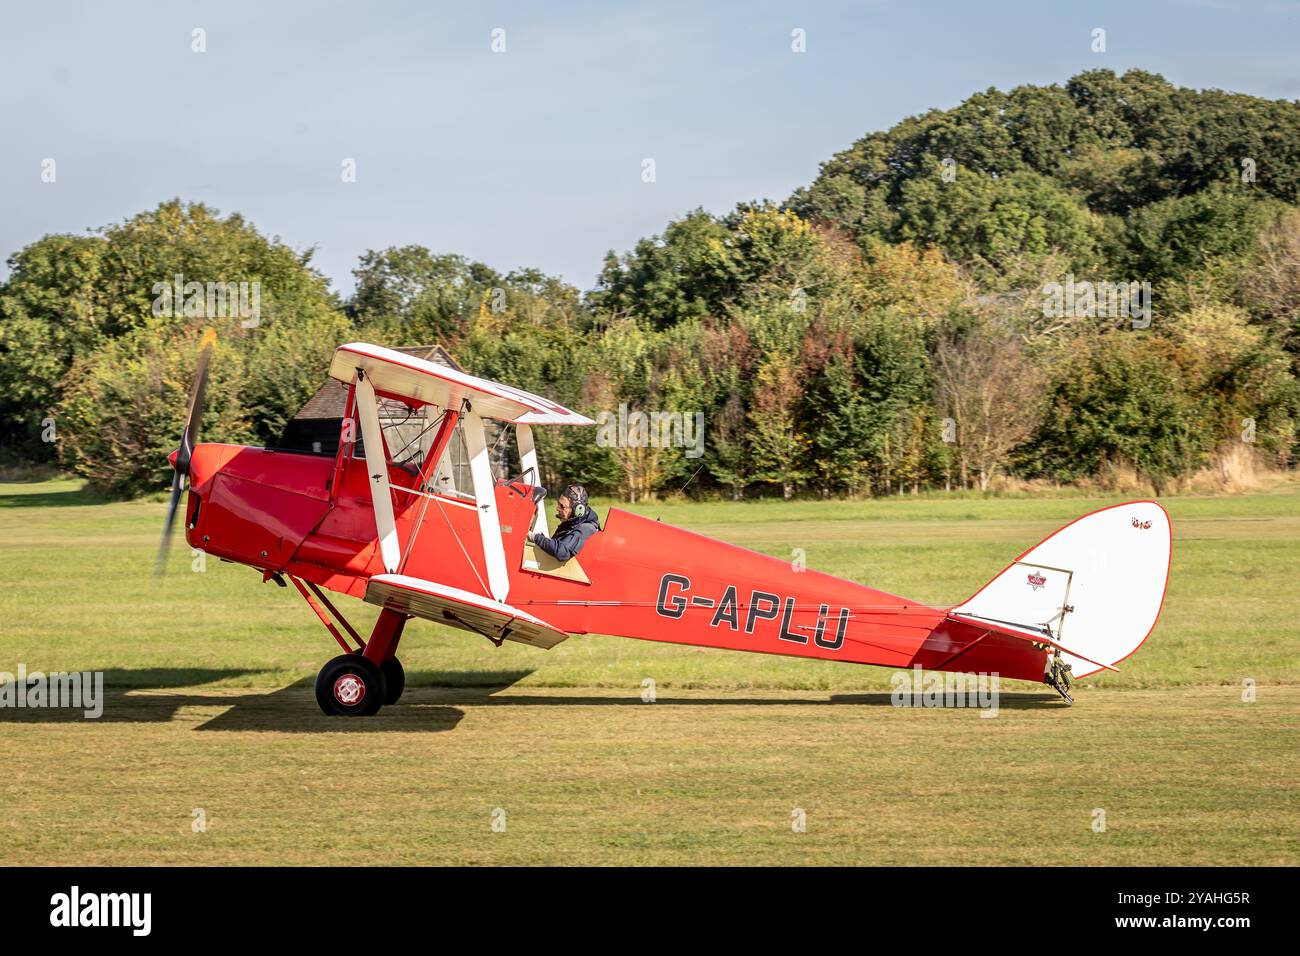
x=1095, y=586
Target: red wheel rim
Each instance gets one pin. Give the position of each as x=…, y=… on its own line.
x=349, y=690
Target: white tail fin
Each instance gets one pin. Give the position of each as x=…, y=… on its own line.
x=1094, y=587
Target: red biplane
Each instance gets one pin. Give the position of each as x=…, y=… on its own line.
x=406, y=515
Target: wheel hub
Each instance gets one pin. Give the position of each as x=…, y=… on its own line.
x=349, y=690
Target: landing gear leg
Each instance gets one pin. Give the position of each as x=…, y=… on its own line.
x=366, y=677
x=381, y=649
x=359, y=683
x=1059, y=676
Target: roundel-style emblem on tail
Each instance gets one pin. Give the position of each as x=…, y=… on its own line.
x=349, y=690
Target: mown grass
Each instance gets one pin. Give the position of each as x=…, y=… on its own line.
x=76, y=593
x=210, y=707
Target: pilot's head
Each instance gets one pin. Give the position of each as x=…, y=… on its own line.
x=572, y=503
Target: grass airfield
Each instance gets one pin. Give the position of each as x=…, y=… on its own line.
x=514, y=756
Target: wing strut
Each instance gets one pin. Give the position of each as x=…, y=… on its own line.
x=527, y=462
x=489, y=522
x=381, y=493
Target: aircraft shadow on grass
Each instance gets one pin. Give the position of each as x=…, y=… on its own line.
x=140, y=696
x=433, y=702
x=1013, y=701
x=481, y=696
x=130, y=696
x=46, y=499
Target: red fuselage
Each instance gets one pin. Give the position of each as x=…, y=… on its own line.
x=311, y=517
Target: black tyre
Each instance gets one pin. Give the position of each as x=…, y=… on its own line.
x=350, y=686
x=394, y=679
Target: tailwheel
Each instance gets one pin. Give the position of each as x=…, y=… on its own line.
x=1059, y=677
x=350, y=686
x=394, y=680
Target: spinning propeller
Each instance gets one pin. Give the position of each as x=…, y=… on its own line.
x=183, y=454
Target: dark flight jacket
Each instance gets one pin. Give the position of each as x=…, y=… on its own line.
x=570, y=536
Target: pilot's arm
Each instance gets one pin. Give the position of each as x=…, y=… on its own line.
x=566, y=543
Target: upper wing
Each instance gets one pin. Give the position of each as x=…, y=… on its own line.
x=397, y=373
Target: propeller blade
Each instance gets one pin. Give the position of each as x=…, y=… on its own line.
x=164, y=546
x=189, y=439
x=194, y=410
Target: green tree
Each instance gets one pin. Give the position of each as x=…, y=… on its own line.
x=991, y=223
x=406, y=295
x=51, y=313
x=687, y=273
x=777, y=445
x=69, y=298
x=124, y=407
x=1118, y=399
x=1167, y=240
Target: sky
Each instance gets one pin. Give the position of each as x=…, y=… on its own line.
x=531, y=154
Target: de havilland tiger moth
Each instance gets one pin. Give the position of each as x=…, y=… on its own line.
x=406, y=515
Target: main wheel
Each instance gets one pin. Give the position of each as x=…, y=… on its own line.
x=350, y=686
x=394, y=679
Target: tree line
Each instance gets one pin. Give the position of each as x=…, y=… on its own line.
x=898, y=324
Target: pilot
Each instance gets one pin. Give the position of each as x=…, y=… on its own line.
x=578, y=522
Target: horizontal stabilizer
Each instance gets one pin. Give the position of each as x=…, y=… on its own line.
x=1029, y=634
